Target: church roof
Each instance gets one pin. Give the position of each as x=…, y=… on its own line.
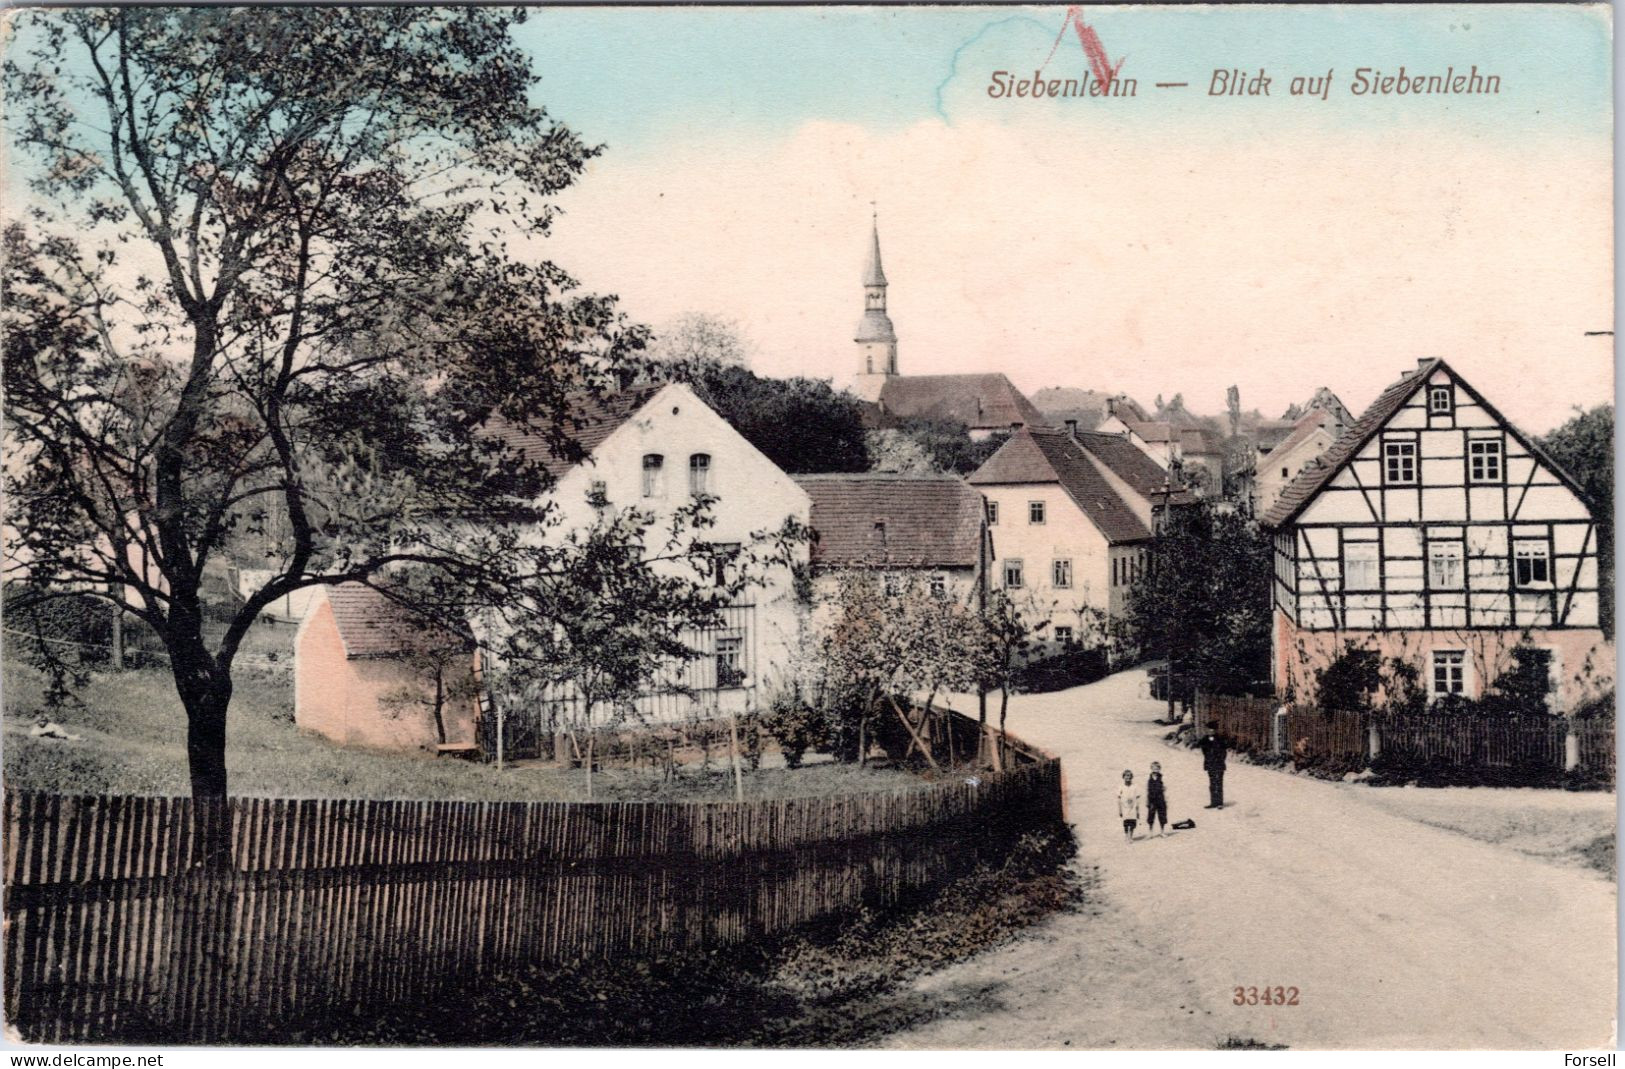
x=875, y=326
x=910, y=520
x=980, y=402
x=874, y=275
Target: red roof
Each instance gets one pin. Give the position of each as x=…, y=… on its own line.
x=1049, y=456
x=588, y=421
x=373, y=625
x=983, y=402
x=877, y=519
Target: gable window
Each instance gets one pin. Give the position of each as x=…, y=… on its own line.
x=1061, y=574
x=1063, y=635
x=730, y=661
x=1532, y=563
x=1484, y=460
x=699, y=474
x=1360, y=571
x=1012, y=574
x=1399, y=463
x=1440, y=402
x=992, y=513
x=1449, y=674
x=654, y=475
x=1035, y=512
x=1444, y=565
x=1284, y=473
x=939, y=586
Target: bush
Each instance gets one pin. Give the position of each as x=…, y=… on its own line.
x=796, y=726
x=77, y=628
x=1071, y=668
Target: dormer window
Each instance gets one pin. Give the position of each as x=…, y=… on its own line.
x=654, y=475
x=699, y=474
x=1441, y=400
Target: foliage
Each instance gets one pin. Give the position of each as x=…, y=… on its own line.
x=795, y=725
x=1350, y=681
x=942, y=445
x=801, y=425
x=268, y=284
x=1069, y=668
x=699, y=337
x=1203, y=602
x=1584, y=448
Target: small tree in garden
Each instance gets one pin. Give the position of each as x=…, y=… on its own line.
x=1351, y=681
x=1011, y=627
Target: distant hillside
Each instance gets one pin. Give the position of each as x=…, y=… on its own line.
x=1061, y=403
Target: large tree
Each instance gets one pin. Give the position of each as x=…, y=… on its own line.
x=1584, y=446
x=271, y=268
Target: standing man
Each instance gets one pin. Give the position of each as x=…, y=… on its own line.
x=1213, y=762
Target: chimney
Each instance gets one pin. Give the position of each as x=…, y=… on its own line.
x=1111, y=406
x=1072, y=429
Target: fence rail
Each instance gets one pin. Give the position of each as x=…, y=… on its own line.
x=112, y=932
x=1493, y=744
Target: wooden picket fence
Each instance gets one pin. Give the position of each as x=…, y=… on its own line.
x=1494, y=744
x=112, y=932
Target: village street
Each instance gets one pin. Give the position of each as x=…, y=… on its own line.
x=1395, y=934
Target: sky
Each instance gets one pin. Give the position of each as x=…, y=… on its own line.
x=1170, y=242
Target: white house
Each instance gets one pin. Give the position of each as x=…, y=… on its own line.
x=1311, y=435
x=1437, y=532
x=1071, y=515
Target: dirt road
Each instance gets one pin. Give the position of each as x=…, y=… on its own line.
x=1394, y=933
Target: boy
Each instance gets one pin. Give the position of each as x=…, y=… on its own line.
x=1156, y=801
x=1128, y=805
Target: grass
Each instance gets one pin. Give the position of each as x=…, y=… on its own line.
x=134, y=733
x=841, y=982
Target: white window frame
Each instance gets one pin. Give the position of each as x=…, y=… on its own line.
x=1059, y=569
x=735, y=660
x=699, y=474
x=1449, y=658
x=1063, y=634
x=1437, y=394
x=1398, y=454
x=1448, y=553
x=1020, y=571
x=1372, y=562
x=1036, y=513
x=654, y=475
x=1478, y=463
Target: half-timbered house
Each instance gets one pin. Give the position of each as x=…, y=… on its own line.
x=1435, y=531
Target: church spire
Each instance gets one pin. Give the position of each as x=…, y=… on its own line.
x=877, y=341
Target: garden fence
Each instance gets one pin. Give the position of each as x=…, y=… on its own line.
x=112, y=931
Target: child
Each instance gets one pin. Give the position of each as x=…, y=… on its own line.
x=1128, y=805
x=1156, y=801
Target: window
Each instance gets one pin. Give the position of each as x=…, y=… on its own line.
x=1439, y=400
x=699, y=474
x=1285, y=474
x=1444, y=565
x=1012, y=574
x=598, y=494
x=1532, y=564
x=992, y=513
x=939, y=586
x=1399, y=463
x=1484, y=456
x=1117, y=571
x=1061, y=574
x=1035, y=512
x=722, y=554
x=1360, y=571
x=1063, y=635
x=654, y=475
x=730, y=661
x=1449, y=672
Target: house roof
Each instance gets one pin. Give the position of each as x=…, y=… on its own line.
x=1300, y=432
x=588, y=420
x=875, y=519
x=1128, y=462
x=1199, y=440
x=371, y=624
x=1302, y=489
x=1050, y=456
x=981, y=401
x=1151, y=430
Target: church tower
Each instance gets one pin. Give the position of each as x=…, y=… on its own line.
x=877, y=341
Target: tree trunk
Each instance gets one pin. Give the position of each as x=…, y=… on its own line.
x=1004, y=709
x=439, y=704
x=206, y=694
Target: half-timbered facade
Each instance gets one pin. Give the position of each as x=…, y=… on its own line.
x=1436, y=531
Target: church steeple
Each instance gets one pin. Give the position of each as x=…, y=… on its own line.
x=877, y=341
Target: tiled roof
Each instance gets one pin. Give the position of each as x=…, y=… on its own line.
x=1129, y=463
x=1048, y=456
x=1301, y=431
x=983, y=401
x=928, y=520
x=372, y=625
x=1302, y=489
x=1199, y=440
x=589, y=420
x=1151, y=430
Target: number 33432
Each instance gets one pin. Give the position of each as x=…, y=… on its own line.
x=1265, y=996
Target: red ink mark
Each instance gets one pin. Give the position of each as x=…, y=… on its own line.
x=1093, y=50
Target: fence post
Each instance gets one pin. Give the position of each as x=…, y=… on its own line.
x=1373, y=741
x=1571, y=747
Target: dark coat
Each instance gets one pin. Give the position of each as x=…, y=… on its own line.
x=1153, y=790
x=1212, y=753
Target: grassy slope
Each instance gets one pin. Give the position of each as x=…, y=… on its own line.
x=134, y=743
